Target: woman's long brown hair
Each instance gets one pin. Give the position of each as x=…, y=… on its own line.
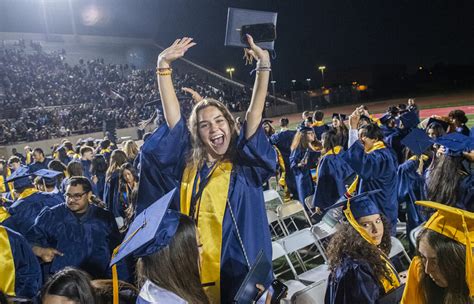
x=176, y=267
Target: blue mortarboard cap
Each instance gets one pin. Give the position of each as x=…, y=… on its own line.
x=260, y=23
x=384, y=119
x=49, y=176
x=20, y=178
x=361, y=204
x=410, y=120
x=418, y=141
x=267, y=121
x=441, y=123
x=455, y=143
x=152, y=230
x=302, y=128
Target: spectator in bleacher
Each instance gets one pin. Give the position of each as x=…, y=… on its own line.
x=40, y=161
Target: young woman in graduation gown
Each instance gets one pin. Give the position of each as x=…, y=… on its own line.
x=303, y=157
x=361, y=271
x=219, y=172
x=442, y=271
x=331, y=173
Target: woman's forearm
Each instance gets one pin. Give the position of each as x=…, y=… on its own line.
x=169, y=100
x=257, y=104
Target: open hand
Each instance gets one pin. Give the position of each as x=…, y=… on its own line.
x=256, y=52
x=195, y=95
x=175, y=51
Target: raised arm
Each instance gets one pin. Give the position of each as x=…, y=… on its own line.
x=257, y=103
x=165, y=83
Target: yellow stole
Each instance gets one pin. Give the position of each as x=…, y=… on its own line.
x=318, y=123
x=103, y=151
x=7, y=266
x=386, y=283
x=27, y=192
x=3, y=214
x=335, y=151
x=377, y=146
x=281, y=163
x=28, y=158
x=209, y=213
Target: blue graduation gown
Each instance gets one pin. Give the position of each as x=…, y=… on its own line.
x=376, y=170
x=466, y=193
x=98, y=188
x=410, y=189
x=24, y=211
x=163, y=158
x=393, y=139
x=318, y=131
x=112, y=196
x=304, y=181
x=28, y=280
x=86, y=242
x=282, y=140
x=353, y=282
x=39, y=165
x=86, y=166
x=331, y=180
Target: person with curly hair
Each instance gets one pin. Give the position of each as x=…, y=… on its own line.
x=459, y=120
x=361, y=271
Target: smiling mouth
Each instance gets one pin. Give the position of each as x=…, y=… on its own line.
x=217, y=140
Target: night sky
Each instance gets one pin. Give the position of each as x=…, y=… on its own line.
x=337, y=34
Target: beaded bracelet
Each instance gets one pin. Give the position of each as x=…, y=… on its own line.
x=164, y=71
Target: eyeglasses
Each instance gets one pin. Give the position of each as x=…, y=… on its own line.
x=74, y=196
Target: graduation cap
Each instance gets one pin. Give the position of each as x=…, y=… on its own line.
x=267, y=121
x=410, y=120
x=356, y=207
x=20, y=178
x=417, y=140
x=439, y=122
x=458, y=225
x=302, y=128
x=455, y=143
x=47, y=176
x=259, y=24
x=386, y=118
x=152, y=230
x=339, y=116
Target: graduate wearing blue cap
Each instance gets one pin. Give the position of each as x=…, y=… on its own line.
x=46, y=181
x=76, y=233
x=376, y=167
x=282, y=140
x=20, y=273
x=303, y=157
x=450, y=180
x=411, y=176
x=28, y=203
x=219, y=172
x=361, y=271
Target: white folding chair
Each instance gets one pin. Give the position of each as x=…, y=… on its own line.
x=414, y=234
x=274, y=223
x=397, y=248
x=312, y=294
x=293, y=285
x=309, y=202
x=289, y=211
x=272, y=199
x=401, y=228
x=299, y=240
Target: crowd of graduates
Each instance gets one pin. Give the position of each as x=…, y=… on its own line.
x=182, y=218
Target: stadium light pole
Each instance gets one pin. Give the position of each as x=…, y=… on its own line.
x=230, y=70
x=273, y=82
x=322, y=68
x=45, y=19
x=308, y=80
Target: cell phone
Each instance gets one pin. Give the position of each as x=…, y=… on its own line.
x=262, y=32
x=279, y=291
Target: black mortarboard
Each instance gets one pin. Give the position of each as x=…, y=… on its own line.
x=434, y=121
x=386, y=118
x=339, y=116
x=49, y=176
x=410, y=120
x=455, y=143
x=259, y=24
x=20, y=178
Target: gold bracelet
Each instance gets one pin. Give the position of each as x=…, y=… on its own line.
x=166, y=73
